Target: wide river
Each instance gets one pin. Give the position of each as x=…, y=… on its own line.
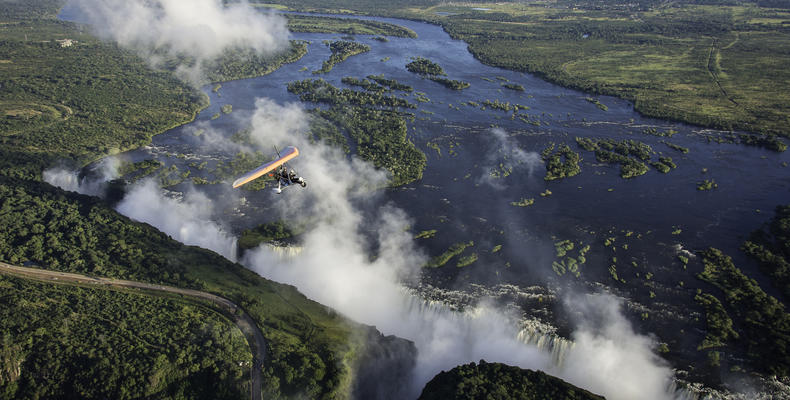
x=642, y=222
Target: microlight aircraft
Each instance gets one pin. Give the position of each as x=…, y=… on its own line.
x=277, y=169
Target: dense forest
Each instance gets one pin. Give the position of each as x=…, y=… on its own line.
x=381, y=138
x=71, y=232
x=72, y=342
x=771, y=247
x=368, y=118
x=341, y=50
x=747, y=316
x=499, y=381
x=78, y=102
x=311, y=23
x=239, y=65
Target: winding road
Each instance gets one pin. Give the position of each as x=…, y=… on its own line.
x=240, y=317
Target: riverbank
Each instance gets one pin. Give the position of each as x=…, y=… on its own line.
x=713, y=66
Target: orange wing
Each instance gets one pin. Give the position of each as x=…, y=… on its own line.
x=288, y=153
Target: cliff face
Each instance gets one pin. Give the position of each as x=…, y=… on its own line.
x=384, y=367
x=500, y=381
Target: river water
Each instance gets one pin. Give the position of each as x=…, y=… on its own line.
x=648, y=218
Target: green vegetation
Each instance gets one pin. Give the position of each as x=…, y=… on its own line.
x=426, y=234
x=424, y=67
x=673, y=146
x=92, y=98
x=91, y=342
x=133, y=172
x=390, y=83
x=429, y=69
x=664, y=164
x=29, y=9
x=628, y=153
x=565, y=263
x=597, y=103
x=326, y=131
x=719, y=323
x=450, y=83
x=514, y=86
x=265, y=233
x=363, y=83
x=770, y=142
x=500, y=381
x=236, y=64
x=524, y=202
x=341, y=49
x=78, y=102
x=707, y=184
x=562, y=163
x=380, y=136
x=466, y=260
x=321, y=91
x=656, y=132
x=443, y=258
x=771, y=247
x=377, y=83
x=763, y=325
x=316, y=24
x=504, y=106
x=69, y=232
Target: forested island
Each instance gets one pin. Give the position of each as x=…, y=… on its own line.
x=312, y=23
x=434, y=72
x=499, y=381
x=341, y=49
x=380, y=134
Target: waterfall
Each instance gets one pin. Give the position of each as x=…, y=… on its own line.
x=284, y=252
x=551, y=343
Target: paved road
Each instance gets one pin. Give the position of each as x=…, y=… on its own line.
x=240, y=317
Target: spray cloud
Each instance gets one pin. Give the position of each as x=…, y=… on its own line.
x=198, y=29
x=92, y=185
x=336, y=268
x=504, y=150
x=189, y=221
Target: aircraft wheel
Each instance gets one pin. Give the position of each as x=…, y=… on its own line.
x=304, y=184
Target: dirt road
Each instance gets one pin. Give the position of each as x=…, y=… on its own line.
x=240, y=317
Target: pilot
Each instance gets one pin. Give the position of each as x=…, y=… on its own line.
x=282, y=174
